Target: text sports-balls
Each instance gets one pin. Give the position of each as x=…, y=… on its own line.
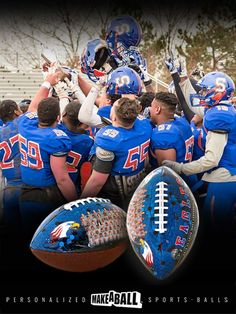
x=81, y=236
x=162, y=222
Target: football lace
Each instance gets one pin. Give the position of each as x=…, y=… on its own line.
x=84, y=201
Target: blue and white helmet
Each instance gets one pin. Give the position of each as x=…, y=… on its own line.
x=218, y=87
x=124, y=80
x=122, y=33
x=94, y=56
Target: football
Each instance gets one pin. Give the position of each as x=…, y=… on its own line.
x=162, y=222
x=81, y=236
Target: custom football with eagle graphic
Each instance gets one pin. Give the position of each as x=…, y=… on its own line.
x=162, y=222
x=81, y=236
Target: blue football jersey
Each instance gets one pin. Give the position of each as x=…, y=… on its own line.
x=1, y=122
x=223, y=118
x=130, y=146
x=79, y=153
x=199, y=141
x=36, y=146
x=9, y=150
x=105, y=111
x=176, y=135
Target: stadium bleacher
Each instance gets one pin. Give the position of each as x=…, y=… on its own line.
x=19, y=85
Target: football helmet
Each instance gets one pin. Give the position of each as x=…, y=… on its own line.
x=215, y=87
x=122, y=33
x=124, y=80
x=94, y=56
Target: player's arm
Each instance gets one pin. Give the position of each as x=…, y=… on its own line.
x=188, y=113
x=84, y=85
x=187, y=90
x=215, y=144
x=88, y=111
x=101, y=170
x=42, y=93
x=162, y=154
x=94, y=184
x=179, y=70
x=64, y=183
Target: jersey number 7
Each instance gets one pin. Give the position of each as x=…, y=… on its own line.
x=7, y=151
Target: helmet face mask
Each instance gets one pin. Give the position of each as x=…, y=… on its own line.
x=215, y=87
x=93, y=58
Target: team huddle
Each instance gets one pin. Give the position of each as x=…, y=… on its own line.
x=77, y=139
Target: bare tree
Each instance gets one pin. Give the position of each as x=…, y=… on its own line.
x=65, y=31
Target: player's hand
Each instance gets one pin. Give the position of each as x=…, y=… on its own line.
x=102, y=82
x=146, y=79
x=73, y=87
x=169, y=62
x=176, y=166
x=172, y=65
x=61, y=89
x=53, y=78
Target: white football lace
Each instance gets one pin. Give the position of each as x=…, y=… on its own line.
x=83, y=201
x=161, y=206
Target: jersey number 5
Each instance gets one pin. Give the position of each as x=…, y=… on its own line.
x=136, y=155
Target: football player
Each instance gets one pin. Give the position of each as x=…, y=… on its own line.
x=80, y=140
x=11, y=114
x=123, y=81
x=44, y=149
x=178, y=71
x=172, y=138
x=121, y=150
x=219, y=159
x=10, y=160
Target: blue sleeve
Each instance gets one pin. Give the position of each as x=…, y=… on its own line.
x=217, y=119
x=58, y=144
x=27, y=118
x=163, y=139
x=104, y=111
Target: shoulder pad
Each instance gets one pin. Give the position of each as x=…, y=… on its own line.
x=104, y=155
x=111, y=133
x=59, y=132
x=31, y=115
x=219, y=118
